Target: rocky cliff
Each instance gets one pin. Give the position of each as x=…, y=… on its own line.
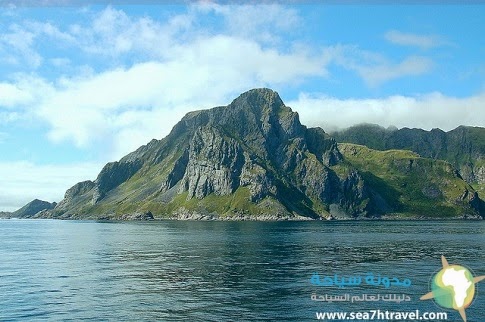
x=252, y=159
x=463, y=147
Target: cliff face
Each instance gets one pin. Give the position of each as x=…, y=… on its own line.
x=463, y=147
x=252, y=159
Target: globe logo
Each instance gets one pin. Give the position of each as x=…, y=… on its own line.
x=453, y=287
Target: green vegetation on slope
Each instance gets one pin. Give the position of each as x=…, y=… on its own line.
x=411, y=184
x=463, y=147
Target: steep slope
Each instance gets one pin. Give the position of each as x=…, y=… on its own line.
x=463, y=147
x=414, y=185
x=252, y=159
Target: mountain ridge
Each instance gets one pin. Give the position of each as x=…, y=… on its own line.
x=463, y=147
x=251, y=159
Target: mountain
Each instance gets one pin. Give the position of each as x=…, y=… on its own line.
x=253, y=159
x=5, y=214
x=463, y=147
x=33, y=208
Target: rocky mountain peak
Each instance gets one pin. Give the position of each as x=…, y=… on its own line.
x=257, y=109
x=265, y=106
x=259, y=100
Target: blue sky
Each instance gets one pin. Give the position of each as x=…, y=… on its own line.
x=81, y=85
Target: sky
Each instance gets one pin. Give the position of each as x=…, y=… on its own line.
x=84, y=83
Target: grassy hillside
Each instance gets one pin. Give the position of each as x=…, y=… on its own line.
x=463, y=147
x=411, y=184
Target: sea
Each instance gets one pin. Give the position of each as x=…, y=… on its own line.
x=54, y=270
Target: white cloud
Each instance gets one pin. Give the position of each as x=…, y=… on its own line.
x=409, y=39
x=432, y=110
x=21, y=182
x=112, y=33
x=19, y=42
x=23, y=91
x=11, y=95
x=262, y=23
x=179, y=68
x=185, y=69
x=381, y=73
x=374, y=68
x=47, y=29
x=149, y=98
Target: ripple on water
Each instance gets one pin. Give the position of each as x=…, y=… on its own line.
x=213, y=271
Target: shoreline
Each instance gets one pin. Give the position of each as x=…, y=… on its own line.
x=246, y=219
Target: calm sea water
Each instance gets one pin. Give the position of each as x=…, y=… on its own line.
x=221, y=271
